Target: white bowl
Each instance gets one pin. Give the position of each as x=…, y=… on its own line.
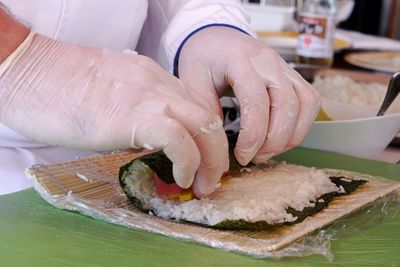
x=355, y=131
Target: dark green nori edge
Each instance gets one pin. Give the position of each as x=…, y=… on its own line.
x=348, y=187
x=234, y=165
x=162, y=165
x=158, y=162
x=136, y=202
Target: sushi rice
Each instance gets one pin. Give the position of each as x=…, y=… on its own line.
x=264, y=194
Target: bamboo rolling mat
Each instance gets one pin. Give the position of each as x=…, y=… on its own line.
x=90, y=186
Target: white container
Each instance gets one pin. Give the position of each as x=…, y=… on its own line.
x=270, y=17
x=357, y=132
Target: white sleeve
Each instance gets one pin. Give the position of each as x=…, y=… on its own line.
x=170, y=22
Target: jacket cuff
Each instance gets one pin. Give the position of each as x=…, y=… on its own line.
x=178, y=51
x=194, y=16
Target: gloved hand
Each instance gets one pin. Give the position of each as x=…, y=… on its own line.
x=277, y=107
x=97, y=99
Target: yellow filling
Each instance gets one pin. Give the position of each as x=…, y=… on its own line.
x=187, y=194
x=322, y=116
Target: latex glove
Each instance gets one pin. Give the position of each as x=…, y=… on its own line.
x=277, y=106
x=97, y=99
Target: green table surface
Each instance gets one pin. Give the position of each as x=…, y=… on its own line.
x=33, y=233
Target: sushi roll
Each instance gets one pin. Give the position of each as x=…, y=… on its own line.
x=258, y=197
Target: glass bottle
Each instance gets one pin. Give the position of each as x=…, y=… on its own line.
x=316, y=21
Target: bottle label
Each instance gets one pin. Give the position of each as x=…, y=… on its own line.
x=315, y=36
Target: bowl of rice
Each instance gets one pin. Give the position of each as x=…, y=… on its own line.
x=352, y=100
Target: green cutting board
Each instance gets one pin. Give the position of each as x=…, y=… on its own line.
x=33, y=233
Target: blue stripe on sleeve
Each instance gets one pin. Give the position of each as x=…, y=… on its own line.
x=178, y=52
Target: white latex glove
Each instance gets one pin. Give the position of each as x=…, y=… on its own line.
x=97, y=99
x=277, y=106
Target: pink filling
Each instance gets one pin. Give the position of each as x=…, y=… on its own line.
x=163, y=188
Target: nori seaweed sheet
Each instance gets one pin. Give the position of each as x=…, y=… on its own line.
x=349, y=186
x=162, y=166
x=135, y=201
x=234, y=165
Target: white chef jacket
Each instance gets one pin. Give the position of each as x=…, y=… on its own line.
x=156, y=28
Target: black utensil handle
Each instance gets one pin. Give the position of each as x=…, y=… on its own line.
x=391, y=93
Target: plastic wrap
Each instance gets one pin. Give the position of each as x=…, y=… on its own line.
x=90, y=186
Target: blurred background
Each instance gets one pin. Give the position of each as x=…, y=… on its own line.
x=353, y=81
x=376, y=17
